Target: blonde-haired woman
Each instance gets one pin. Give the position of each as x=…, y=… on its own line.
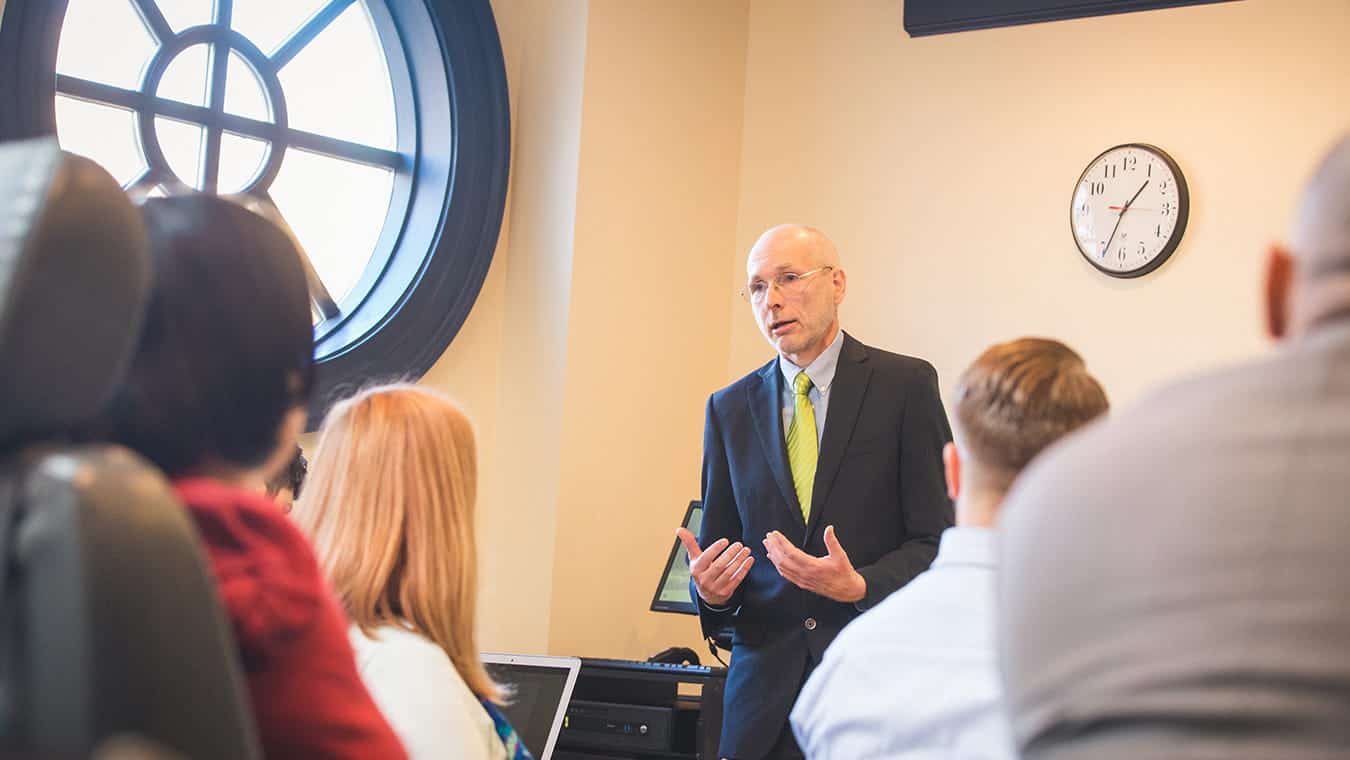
x=389, y=506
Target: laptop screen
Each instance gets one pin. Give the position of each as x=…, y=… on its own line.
x=540, y=688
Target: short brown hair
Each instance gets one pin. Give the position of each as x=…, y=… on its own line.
x=1018, y=398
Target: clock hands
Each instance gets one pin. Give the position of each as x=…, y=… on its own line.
x=1123, y=209
x=1133, y=198
x=1107, y=246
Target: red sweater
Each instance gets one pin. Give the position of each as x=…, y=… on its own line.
x=308, y=699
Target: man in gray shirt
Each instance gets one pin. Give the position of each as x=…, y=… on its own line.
x=1177, y=581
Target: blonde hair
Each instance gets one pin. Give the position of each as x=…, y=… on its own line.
x=390, y=508
x=1018, y=398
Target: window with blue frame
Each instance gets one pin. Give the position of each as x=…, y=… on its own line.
x=375, y=131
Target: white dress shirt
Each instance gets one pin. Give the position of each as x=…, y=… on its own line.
x=424, y=698
x=915, y=677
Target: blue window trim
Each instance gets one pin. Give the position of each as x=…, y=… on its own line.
x=454, y=88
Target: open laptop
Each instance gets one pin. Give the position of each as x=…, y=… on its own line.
x=540, y=687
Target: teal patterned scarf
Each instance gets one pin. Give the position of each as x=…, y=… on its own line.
x=515, y=748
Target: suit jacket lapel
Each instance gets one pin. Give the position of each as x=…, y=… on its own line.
x=846, y=396
x=766, y=402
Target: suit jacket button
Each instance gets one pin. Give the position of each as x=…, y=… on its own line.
x=810, y=624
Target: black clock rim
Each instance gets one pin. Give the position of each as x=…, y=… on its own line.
x=1178, y=232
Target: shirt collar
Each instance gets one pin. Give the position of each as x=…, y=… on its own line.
x=821, y=371
x=966, y=546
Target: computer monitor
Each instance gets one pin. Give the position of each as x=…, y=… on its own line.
x=672, y=593
x=540, y=688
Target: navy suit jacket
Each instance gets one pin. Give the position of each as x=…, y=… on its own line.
x=879, y=482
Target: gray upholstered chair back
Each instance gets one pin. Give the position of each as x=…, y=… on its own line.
x=109, y=621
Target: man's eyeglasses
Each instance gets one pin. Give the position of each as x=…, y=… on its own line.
x=790, y=283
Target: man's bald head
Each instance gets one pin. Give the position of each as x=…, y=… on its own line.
x=1320, y=236
x=795, y=285
x=812, y=245
x=1310, y=283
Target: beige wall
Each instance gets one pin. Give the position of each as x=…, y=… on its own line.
x=655, y=225
x=537, y=297
x=943, y=166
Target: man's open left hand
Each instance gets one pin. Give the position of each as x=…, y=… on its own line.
x=831, y=576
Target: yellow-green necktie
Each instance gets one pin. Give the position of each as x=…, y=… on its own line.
x=802, y=445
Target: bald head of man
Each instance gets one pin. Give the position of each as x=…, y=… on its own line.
x=1308, y=282
x=795, y=284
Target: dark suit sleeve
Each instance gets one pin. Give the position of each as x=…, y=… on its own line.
x=720, y=518
x=924, y=505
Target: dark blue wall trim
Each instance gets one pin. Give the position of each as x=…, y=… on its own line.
x=925, y=17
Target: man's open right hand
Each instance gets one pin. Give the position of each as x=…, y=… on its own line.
x=717, y=570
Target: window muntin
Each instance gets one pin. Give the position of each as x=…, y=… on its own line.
x=308, y=126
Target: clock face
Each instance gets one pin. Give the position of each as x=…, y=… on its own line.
x=1129, y=210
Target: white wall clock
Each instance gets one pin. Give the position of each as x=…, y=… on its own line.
x=1129, y=210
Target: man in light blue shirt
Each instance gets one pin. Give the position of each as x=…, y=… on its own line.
x=916, y=676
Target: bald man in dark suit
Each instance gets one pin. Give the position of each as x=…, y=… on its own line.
x=823, y=489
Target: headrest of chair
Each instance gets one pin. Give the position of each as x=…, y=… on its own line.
x=74, y=280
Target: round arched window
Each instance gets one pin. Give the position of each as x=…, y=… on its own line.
x=375, y=131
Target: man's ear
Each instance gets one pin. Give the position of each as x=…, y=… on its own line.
x=951, y=468
x=1279, y=284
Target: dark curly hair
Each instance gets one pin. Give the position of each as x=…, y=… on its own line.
x=293, y=477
